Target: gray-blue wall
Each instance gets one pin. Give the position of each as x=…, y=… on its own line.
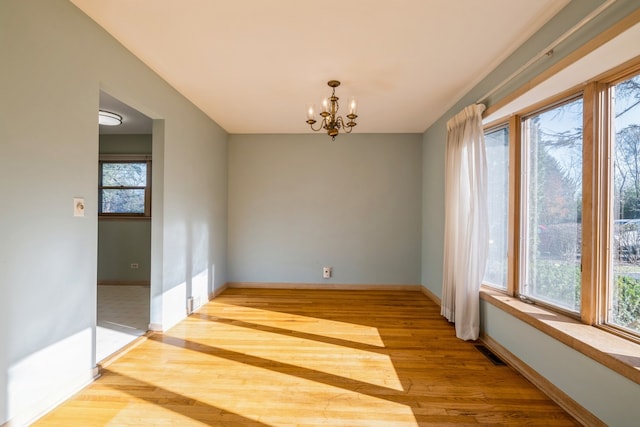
x=122, y=242
x=55, y=61
x=301, y=202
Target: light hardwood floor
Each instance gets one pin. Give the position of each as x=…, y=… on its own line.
x=256, y=357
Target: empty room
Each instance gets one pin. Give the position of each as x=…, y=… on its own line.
x=287, y=213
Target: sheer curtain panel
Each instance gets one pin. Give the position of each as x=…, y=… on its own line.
x=466, y=226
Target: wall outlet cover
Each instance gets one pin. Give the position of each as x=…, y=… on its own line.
x=78, y=206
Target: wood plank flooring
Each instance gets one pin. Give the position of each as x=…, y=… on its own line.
x=256, y=357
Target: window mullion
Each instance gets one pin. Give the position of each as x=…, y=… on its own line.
x=594, y=229
x=122, y=187
x=515, y=224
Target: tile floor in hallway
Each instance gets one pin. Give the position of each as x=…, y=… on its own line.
x=123, y=315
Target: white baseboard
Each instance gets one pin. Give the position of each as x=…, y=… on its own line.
x=433, y=297
x=124, y=283
x=321, y=286
x=218, y=291
x=155, y=327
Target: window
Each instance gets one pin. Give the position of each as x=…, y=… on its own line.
x=497, y=149
x=580, y=146
x=125, y=188
x=552, y=199
x=573, y=216
x=623, y=305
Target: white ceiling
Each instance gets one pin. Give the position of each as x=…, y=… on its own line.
x=254, y=65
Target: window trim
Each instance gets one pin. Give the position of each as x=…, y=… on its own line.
x=125, y=158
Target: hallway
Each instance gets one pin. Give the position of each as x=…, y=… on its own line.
x=123, y=316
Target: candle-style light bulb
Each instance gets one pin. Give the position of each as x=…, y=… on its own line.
x=353, y=106
x=311, y=112
x=325, y=105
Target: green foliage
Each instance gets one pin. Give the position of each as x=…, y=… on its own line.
x=626, y=302
x=557, y=282
x=556, y=191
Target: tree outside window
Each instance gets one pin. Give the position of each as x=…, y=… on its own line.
x=124, y=188
x=553, y=199
x=624, y=292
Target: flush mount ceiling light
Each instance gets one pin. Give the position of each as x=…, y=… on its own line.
x=108, y=118
x=331, y=122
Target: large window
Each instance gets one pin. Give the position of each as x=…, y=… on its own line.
x=623, y=307
x=552, y=201
x=124, y=188
x=575, y=203
x=497, y=149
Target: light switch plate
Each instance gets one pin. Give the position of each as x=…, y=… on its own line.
x=78, y=206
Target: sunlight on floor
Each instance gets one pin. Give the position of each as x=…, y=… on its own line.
x=305, y=395
x=305, y=362
x=327, y=328
x=349, y=359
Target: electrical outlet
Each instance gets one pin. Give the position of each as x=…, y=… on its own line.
x=134, y=266
x=326, y=272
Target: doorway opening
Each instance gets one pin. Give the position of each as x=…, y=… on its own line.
x=124, y=228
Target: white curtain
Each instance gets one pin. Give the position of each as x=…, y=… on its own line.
x=466, y=226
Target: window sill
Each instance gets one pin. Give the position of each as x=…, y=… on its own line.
x=616, y=353
x=122, y=217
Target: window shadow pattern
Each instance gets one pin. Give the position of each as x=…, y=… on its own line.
x=311, y=357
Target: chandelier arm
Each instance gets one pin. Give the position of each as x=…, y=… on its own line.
x=345, y=127
x=319, y=127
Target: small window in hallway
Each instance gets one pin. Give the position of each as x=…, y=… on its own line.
x=125, y=188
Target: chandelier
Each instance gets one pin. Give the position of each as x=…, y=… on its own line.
x=331, y=122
